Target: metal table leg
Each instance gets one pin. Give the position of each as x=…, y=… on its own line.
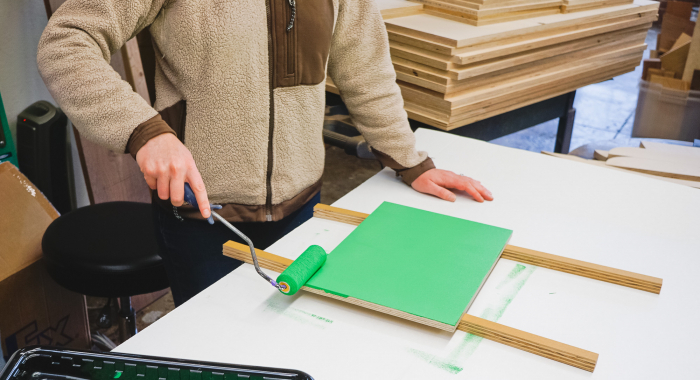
x=566, y=126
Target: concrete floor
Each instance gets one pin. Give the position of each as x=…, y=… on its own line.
x=604, y=111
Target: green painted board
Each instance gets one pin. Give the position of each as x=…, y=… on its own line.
x=426, y=264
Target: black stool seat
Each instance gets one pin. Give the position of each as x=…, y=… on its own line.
x=105, y=250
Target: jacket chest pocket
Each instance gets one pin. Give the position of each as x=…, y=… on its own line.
x=300, y=54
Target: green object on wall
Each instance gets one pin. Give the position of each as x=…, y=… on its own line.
x=423, y=263
x=7, y=146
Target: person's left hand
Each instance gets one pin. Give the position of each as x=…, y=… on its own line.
x=437, y=181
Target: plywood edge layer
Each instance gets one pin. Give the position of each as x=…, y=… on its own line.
x=529, y=256
x=532, y=343
x=384, y=309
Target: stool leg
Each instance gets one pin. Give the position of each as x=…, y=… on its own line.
x=127, y=319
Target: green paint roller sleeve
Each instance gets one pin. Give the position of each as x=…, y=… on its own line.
x=301, y=270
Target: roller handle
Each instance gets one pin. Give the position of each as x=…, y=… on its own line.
x=191, y=199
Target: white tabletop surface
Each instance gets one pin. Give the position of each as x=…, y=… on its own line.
x=552, y=205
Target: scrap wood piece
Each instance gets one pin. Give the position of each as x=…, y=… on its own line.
x=682, y=40
x=673, y=169
x=671, y=83
x=659, y=72
x=693, y=62
x=672, y=27
x=652, y=155
x=675, y=59
x=600, y=155
x=528, y=256
x=532, y=343
x=695, y=184
x=671, y=148
x=680, y=9
x=650, y=63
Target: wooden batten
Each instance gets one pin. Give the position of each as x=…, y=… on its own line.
x=532, y=343
x=522, y=340
x=529, y=256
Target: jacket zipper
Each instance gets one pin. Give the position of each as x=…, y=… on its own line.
x=270, y=52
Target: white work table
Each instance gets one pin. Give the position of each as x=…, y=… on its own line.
x=556, y=206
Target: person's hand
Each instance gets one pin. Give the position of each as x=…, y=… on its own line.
x=167, y=164
x=436, y=182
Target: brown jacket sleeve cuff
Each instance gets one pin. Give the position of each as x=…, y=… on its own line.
x=145, y=131
x=408, y=175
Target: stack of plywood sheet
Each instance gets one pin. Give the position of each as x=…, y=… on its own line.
x=452, y=73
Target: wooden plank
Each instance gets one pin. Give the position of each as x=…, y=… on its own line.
x=578, y=6
x=671, y=148
x=111, y=176
x=650, y=63
x=671, y=169
x=652, y=155
x=533, y=39
x=693, y=62
x=489, y=330
x=483, y=76
x=499, y=50
x=694, y=184
x=528, y=256
x=682, y=40
x=488, y=108
x=669, y=82
x=671, y=28
x=457, y=72
x=133, y=69
x=583, y=269
x=674, y=60
x=537, y=79
x=680, y=9
x=397, y=8
x=525, y=341
x=600, y=155
x=457, y=34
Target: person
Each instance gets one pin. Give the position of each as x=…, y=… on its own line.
x=240, y=102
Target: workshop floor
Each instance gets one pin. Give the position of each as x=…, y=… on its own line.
x=604, y=111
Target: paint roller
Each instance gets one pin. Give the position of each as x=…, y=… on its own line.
x=295, y=276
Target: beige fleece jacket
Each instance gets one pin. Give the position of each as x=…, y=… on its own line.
x=244, y=94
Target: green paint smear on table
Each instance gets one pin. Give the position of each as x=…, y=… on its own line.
x=510, y=286
x=426, y=264
x=296, y=314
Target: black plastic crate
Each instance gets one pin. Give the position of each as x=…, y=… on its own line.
x=49, y=363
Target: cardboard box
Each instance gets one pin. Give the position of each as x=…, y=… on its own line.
x=33, y=308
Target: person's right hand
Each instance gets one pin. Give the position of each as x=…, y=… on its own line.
x=167, y=164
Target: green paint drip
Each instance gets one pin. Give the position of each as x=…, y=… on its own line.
x=510, y=286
